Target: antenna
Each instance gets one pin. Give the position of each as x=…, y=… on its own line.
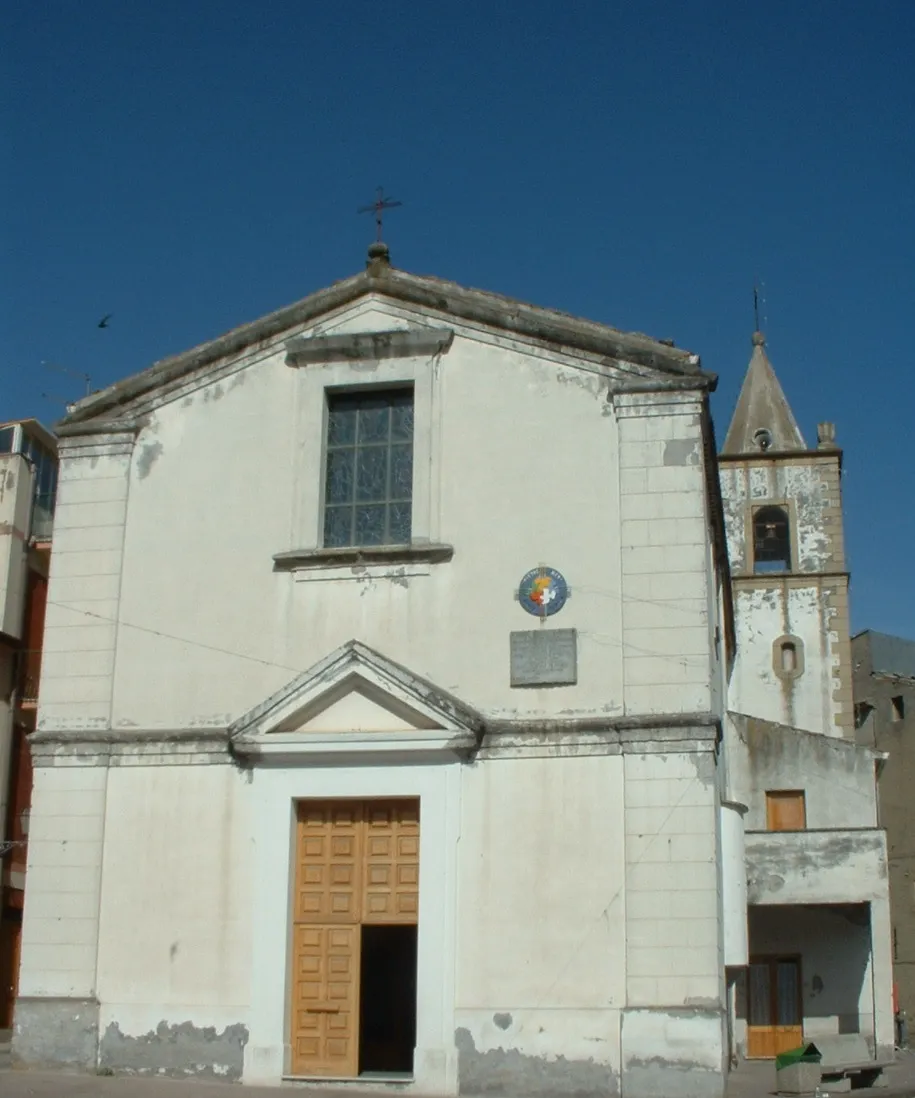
x=70, y=373
x=378, y=207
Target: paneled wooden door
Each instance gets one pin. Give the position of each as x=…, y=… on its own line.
x=357, y=862
x=774, y=1010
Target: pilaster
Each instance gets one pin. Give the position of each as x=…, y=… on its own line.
x=85, y=581
x=665, y=563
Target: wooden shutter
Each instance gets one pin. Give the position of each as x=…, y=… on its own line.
x=786, y=810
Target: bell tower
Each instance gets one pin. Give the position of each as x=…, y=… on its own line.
x=783, y=516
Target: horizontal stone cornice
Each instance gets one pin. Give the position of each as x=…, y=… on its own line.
x=661, y=734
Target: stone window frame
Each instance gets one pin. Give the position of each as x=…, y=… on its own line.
x=777, y=646
x=315, y=379
x=754, y=506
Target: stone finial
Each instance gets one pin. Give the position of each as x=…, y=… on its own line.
x=379, y=257
x=759, y=340
x=826, y=436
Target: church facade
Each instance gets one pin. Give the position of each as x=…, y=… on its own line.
x=401, y=719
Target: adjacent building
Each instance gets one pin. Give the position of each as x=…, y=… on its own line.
x=415, y=705
x=28, y=485
x=884, y=680
x=818, y=913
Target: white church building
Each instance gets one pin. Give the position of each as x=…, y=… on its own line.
x=420, y=706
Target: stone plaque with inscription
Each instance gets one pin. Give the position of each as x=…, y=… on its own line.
x=544, y=657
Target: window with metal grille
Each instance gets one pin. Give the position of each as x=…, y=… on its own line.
x=771, y=540
x=368, y=494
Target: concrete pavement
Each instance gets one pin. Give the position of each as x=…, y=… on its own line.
x=755, y=1079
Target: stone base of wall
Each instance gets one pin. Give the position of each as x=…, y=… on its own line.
x=508, y=1073
x=55, y=1033
x=177, y=1051
x=670, y=1052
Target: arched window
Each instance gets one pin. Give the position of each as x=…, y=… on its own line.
x=771, y=540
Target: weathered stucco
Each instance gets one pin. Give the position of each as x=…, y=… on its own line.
x=179, y=1051
x=55, y=1032
x=809, y=867
x=808, y=604
x=674, y=1053
x=506, y=1072
x=763, y=756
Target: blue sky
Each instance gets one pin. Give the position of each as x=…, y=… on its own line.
x=190, y=166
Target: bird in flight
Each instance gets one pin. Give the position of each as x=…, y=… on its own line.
x=103, y=323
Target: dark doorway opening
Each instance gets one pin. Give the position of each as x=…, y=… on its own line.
x=387, y=1013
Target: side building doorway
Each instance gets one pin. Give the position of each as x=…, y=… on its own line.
x=355, y=909
x=774, y=1011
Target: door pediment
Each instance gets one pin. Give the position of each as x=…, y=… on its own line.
x=356, y=701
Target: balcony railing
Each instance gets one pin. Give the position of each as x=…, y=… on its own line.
x=28, y=674
x=42, y=518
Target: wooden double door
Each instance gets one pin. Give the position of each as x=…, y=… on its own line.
x=774, y=1006
x=353, y=982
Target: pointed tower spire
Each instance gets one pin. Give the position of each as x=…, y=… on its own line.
x=762, y=419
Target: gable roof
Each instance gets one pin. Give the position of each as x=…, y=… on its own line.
x=762, y=405
x=547, y=326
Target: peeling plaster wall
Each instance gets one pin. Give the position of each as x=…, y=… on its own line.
x=770, y=606
x=201, y=608
x=810, y=867
x=837, y=777
x=674, y=1053
x=175, y=934
x=762, y=615
x=810, y=486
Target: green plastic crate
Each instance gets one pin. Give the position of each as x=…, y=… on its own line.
x=803, y=1054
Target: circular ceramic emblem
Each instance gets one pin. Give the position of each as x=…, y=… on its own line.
x=543, y=592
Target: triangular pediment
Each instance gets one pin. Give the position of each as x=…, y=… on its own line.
x=357, y=705
x=356, y=700
x=383, y=299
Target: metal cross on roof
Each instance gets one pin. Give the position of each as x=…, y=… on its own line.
x=378, y=207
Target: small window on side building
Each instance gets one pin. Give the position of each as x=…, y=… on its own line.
x=788, y=657
x=786, y=810
x=898, y=706
x=771, y=540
